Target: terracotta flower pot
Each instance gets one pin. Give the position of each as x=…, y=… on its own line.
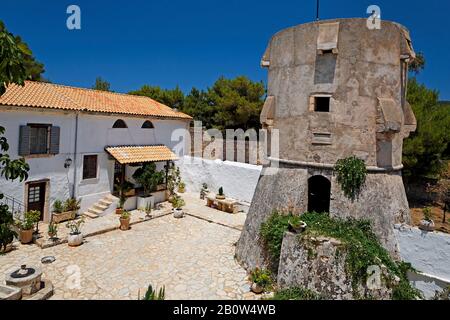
x=74, y=240
x=26, y=236
x=52, y=234
x=220, y=197
x=124, y=224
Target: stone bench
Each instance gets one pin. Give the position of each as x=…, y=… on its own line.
x=227, y=205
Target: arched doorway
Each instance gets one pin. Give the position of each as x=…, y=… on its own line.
x=319, y=191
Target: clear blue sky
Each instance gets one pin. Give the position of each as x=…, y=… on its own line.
x=191, y=43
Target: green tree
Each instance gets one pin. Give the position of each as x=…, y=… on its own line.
x=424, y=151
x=101, y=84
x=417, y=64
x=173, y=98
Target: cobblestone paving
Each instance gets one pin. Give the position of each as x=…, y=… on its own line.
x=193, y=258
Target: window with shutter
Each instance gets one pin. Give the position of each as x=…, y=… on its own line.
x=39, y=138
x=89, y=167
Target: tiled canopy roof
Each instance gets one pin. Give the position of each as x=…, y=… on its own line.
x=53, y=96
x=137, y=154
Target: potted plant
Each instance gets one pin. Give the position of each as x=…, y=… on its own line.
x=296, y=225
x=181, y=187
x=261, y=280
x=177, y=204
x=173, y=179
x=52, y=230
x=26, y=226
x=148, y=177
x=125, y=220
x=75, y=237
x=148, y=211
x=123, y=189
x=427, y=224
x=220, y=195
x=203, y=191
x=66, y=211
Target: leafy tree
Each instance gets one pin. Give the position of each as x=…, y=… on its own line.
x=17, y=62
x=424, y=151
x=101, y=84
x=229, y=103
x=173, y=98
x=417, y=64
x=237, y=102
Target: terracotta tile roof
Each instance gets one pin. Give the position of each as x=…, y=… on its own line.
x=53, y=96
x=136, y=154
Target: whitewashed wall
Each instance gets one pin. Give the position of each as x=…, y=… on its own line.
x=238, y=180
x=429, y=253
x=94, y=134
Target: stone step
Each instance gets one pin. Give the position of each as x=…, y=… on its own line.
x=100, y=207
x=110, y=198
x=90, y=215
x=105, y=202
x=95, y=211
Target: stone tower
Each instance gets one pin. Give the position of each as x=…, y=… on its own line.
x=335, y=89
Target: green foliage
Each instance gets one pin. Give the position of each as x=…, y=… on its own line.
x=229, y=103
x=125, y=215
x=57, y=206
x=148, y=177
x=296, y=293
x=262, y=278
x=220, y=191
x=53, y=228
x=351, y=175
x=417, y=64
x=173, y=179
x=71, y=204
x=426, y=213
x=75, y=225
x=29, y=220
x=16, y=61
x=152, y=294
x=363, y=247
x=426, y=149
x=177, y=202
x=173, y=98
x=122, y=189
x=11, y=169
x=101, y=84
x=272, y=232
x=6, y=222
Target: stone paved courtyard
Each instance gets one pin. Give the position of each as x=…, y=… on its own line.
x=192, y=257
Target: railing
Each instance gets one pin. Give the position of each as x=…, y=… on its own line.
x=15, y=206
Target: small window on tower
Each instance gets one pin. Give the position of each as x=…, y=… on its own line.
x=322, y=104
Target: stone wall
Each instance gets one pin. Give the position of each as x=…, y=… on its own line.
x=237, y=179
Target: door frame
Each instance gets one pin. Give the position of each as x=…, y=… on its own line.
x=46, y=183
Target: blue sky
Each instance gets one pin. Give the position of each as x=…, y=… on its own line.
x=191, y=43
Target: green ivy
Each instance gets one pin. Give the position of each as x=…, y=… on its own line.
x=351, y=175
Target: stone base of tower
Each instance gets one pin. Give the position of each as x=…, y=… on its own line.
x=382, y=201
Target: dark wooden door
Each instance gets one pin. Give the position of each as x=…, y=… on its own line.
x=36, y=197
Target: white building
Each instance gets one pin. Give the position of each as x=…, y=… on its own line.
x=65, y=134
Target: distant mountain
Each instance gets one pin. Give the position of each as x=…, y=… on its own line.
x=444, y=102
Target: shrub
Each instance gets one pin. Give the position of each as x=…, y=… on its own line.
x=426, y=214
x=262, y=278
x=29, y=219
x=296, y=293
x=351, y=175
x=152, y=294
x=272, y=232
x=71, y=204
x=177, y=202
x=6, y=222
x=57, y=206
x=148, y=177
x=220, y=191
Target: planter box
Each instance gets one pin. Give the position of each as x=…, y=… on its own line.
x=143, y=202
x=63, y=216
x=130, y=204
